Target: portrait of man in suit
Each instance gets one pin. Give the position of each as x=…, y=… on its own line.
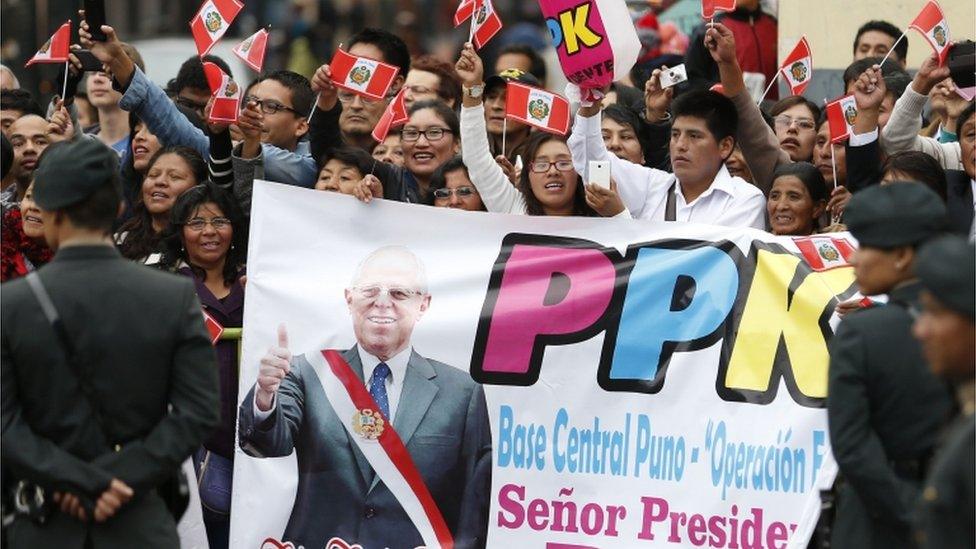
x=437, y=410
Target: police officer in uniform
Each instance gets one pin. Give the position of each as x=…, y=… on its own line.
x=884, y=406
x=947, y=330
x=108, y=379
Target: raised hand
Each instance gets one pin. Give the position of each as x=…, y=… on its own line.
x=720, y=43
x=275, y=365
x=215, y=127
x=322, y=83
x=510, y=172
x=251, y=123
x=469, y=67
x=870, y=89
x=657, y=100
x=605, y=201
x=59, y=127
x=929, y=74
x=108, y=51
x=368, y=188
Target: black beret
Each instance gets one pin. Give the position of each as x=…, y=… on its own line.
x=70, y=171
x=947, y=268
x=899, y=214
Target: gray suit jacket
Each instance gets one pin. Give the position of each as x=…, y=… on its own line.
x=441, y=418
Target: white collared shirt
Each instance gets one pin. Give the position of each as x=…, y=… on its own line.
x=729, y=201
x=394, y=381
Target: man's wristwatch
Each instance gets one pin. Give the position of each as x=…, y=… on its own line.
x=475, y=91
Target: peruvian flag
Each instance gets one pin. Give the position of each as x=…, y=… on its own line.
x=55, y=50
x=362, y=75
x=547, y=111
x=485, y=23
x=212, y=21
x=251, y=51
x=394, y=115
x=932, y=24
x=213, y=327
x=709, y=7
x=798, y=67
x=841, y=114
x=464, y=11
x=226, y=94
x=823, y=253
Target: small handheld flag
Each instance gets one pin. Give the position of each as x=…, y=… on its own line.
x=485, y=23
x=226, y=94
x=823, y=253
x=464, y=11
x=709, y=7
x=212, y=21
x=798, y=67
x=841, y=114
x=362, y=75
x=394, y=115
x=931, y=22
x=214, y=328
x=55, y=50
x=251, y=50
x=547, y=111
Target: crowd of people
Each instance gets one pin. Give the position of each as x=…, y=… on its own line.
x=701, y=152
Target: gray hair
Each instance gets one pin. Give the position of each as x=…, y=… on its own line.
x=401, y=255
x=12, y=75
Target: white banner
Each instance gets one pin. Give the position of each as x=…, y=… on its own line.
x=647, y=384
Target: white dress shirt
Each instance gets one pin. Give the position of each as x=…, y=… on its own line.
x=728, y=201
x=394, y=381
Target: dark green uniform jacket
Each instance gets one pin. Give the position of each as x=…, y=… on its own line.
x=151, y=374
x=947, y=510
x=885, y=409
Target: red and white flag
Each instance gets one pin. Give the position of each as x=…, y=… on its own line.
x=251, y=51
x=931, y=22
x=226, y=94
x=547, y=111
x=485, y=23
x=362, y=75
x=798, y=67
x=394, y=115
x=213, y=327
x=55, y=50
x=823, y=253
x=841, y=114
x=464, y=12
x=212, y=21
x=709, y=7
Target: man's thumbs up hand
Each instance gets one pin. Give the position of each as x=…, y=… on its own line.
x=275, y=365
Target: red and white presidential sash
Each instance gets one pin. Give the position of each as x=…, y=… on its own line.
x=376, y=439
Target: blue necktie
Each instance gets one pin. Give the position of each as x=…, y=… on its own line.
x=377, y=389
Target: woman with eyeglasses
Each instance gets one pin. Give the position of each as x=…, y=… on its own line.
x=207, y=241
x=795, y=123
x=170, y=173
x=548, y=184
x=450, y=187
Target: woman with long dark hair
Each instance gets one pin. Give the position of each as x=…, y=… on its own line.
x=170, y=172
x=206, y=240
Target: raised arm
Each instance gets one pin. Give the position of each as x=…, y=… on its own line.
x=756, y=139
x=498, y=194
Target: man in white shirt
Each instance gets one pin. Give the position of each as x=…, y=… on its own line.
x=700, y=190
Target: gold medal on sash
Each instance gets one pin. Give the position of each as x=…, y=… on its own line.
x=368, y=424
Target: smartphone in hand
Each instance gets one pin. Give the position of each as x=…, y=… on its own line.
x=599, y=173
x=95, y=17
x=89, y=63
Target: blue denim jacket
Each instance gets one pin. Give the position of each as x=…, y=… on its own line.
x=150, y=103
